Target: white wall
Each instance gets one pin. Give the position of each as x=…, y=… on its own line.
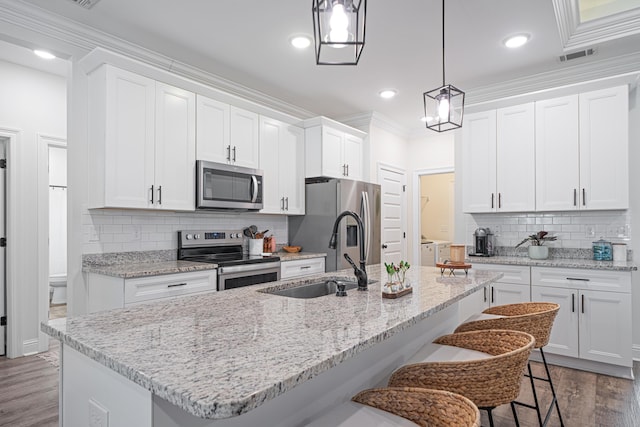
x=35, y=103
x=634, y=204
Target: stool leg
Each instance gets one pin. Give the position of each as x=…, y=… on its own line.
x=553, y=391
x=490, y=414
x=515, y=414
x=535, y=395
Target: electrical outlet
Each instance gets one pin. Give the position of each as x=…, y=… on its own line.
x=136, y=232
x=98, y=416
x=94, y=235
x=590, y=231
x=497, y=230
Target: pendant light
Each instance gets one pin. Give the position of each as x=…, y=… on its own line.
x=443, y=106
x=339, y=31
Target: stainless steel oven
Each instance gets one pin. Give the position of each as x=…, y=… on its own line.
x=224, y=248
x=227, y=187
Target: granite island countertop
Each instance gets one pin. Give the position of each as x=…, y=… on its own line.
x=586, y=264
x=223, y=354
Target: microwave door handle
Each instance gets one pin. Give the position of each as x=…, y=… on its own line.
x=254, y=193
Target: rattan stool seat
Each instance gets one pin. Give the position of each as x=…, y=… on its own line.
x=403, y=406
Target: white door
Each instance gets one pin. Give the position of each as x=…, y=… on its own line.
x=175, y=148
x=479, y=162
x=605, y=327
x=394, y=222
x=564, y=334
x=3, y=311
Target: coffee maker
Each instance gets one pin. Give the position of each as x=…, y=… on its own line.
x=484, y=242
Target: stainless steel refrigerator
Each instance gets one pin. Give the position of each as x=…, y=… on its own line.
x=326, y=198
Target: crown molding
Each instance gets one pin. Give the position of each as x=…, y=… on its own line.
x=568, y=76
x=84, y=39
x=575, y=35
x=373, y=118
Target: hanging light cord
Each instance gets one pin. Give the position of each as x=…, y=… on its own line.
x=443, y=79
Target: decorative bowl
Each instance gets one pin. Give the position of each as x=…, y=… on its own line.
x=292, y=249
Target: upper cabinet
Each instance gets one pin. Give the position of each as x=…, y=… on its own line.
x=333, y=152
x=552, y=155
x=226, y=134
x=499, y=160
x=582, y=160
x=141, y=142
x=282, y=163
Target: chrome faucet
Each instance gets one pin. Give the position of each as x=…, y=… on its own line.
x=361, y=273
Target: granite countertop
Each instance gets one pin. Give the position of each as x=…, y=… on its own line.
x=286, y=256
x=145, y=269
x=586, y=264
x=222, y=354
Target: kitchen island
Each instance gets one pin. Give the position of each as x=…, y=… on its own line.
x=245, y=357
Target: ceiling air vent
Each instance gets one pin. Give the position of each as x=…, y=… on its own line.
x=87, y=4
x=576, y=55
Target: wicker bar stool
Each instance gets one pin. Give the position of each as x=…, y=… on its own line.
x=403, y=406
x=484, y=366
x=535, y=318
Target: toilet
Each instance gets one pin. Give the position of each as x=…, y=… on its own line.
x=58, y=287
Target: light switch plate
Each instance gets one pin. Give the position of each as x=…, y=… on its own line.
x=98, y=416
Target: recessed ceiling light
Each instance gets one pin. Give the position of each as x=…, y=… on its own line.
x=300, y=42
x=516, y=41
x=44, y=54
x=388, y=93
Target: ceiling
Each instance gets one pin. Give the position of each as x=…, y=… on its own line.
x=247, y=42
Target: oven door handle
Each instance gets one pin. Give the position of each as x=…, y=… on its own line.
x=254, y=180
x=248, y=267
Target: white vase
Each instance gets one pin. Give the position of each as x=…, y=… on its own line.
x=538, y=252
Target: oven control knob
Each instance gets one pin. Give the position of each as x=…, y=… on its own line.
x=189, y=237
x=237, y=236
x=196, y=236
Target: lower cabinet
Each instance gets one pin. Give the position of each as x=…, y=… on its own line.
x=301, y=267
x=108, y=292
x=594, y=321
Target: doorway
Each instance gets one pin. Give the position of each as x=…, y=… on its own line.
x=57, y=166
x=3, y=281
x=394, y=213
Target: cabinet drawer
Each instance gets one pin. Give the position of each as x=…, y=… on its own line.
x=571, y=278
x=518, y=274
x=301, y=267
x=165, y=286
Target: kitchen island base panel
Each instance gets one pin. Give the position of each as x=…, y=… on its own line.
x=369, y=369
x=584, y=365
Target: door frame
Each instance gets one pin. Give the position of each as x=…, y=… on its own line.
x=44, y=141
x=416, y=205
x=403, y=204
x=13, y=138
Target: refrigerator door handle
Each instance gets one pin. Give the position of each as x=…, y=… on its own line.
x=367, y=223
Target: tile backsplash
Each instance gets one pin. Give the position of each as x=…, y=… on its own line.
x=574, y=229
x=114, y=230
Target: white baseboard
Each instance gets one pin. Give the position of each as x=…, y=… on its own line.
x=30, y=347
x=585, y=365
x=635, y=349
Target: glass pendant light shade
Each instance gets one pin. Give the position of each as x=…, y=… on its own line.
x=444, y=108
x=339, y=31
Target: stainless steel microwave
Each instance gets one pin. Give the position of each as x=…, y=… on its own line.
x=227, y=187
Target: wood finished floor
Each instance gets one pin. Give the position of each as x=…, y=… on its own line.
x=29, y=397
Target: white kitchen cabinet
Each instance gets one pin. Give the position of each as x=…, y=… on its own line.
x=514, y=287
x=226, y=134
x=499, y=160
x=301, y=267
x=141, y=142
x=581, y=159
x=108, y=292
x=282, y=160
x=333, y=153
x=594, y=321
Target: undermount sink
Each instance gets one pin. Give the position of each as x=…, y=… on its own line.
x=314, y=290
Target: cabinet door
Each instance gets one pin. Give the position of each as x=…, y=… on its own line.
x=175, y=158
x=244, y=131
x=509, y=293
x=605, y=327
x=212, y=130
x=515, y=159
x=557, y=159
x=129, y=136
x=292, y=176
x=479, y=162
x=472, y=304
x=270, y=135
x=332, y=153
x=564, y=334
x=353, y=156
x=604, y=149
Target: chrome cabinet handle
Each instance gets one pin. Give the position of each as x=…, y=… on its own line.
x=282, y=203
x=287, y=201
x=160, y=194
x=234, y=153
x=175, y=285
x=575, y=197
x=347, y=169
x=584, y=197
x=228, y=153
x=152, y=194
